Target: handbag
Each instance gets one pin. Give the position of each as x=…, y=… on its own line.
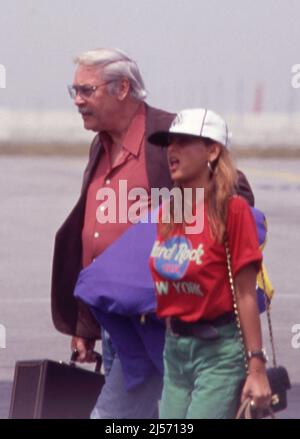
x=277, y=375
x=46, y=389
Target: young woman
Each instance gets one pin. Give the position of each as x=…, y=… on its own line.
x=204, y=362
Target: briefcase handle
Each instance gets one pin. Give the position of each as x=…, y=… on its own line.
x=98, y=356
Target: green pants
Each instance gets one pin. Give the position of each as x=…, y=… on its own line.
x=202, y=378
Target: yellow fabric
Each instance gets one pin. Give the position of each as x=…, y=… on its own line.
x=269, y=290
x=263, y=280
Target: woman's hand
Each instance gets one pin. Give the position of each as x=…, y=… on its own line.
x=257, y=386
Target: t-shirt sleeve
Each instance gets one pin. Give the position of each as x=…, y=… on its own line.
x=242, y=235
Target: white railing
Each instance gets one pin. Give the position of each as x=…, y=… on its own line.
x=260, y=130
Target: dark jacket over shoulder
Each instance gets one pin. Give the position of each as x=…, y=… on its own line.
x=243, y=188
x=69, y=315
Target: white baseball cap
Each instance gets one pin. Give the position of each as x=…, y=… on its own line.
x=197, y=122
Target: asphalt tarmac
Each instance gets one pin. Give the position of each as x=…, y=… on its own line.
x=36, y=196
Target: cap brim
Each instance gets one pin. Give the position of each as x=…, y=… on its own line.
x=164, y=138
x=160, y=138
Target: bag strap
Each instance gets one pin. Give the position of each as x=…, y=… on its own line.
x=245, y=408
x=270, y=326
x=75, y=354
x=235, y=307
x=245, y=411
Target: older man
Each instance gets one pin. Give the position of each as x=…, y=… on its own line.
x=109, y=93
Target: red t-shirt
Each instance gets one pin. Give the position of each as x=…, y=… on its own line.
x=190, y=270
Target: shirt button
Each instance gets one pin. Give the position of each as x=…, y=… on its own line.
x=107, y=181
x=94, y=260
x=102, y=208
x=96, y=235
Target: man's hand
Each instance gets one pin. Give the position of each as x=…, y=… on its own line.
x=85, y=349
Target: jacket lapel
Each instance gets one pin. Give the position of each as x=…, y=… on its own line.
x=156, y=157
x=95, y=153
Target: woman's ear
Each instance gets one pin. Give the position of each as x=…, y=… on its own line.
x=214, y=151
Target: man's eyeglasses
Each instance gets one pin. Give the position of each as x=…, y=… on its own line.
x=85, y=91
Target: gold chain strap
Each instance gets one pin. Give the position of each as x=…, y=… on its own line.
x=245, y=408
x=271, y=334
x=235, y=307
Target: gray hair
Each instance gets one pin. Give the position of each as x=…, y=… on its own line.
x=116, y=65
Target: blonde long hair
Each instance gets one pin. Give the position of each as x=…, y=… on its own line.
x=222, y=186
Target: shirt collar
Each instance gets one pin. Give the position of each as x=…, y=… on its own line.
x=134, y=136
x=136, y=132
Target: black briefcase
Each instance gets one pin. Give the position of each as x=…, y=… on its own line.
x=45, y=389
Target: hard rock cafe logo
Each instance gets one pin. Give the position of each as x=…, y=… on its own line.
x=172, y=257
